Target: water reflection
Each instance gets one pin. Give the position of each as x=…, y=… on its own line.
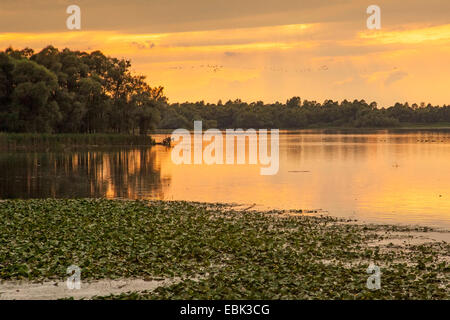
x=381, y=176
x=113, y=173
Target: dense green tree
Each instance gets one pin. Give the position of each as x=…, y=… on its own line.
x=33, y=107
x=73, y=91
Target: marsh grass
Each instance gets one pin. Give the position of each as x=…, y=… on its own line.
x=30, y=141
x=218, y=252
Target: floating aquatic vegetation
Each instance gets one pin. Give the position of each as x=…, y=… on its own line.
x=217, y=251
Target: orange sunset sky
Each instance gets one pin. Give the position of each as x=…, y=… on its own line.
x=265, y=50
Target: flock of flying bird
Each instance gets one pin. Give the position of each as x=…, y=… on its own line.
x=217, y=68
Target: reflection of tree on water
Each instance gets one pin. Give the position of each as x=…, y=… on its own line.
x=112, y=173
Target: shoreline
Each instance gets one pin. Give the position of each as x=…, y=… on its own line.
x=11, y=142
x=444, y=126
x=212, y=251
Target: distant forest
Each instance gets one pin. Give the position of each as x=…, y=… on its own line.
x=66, y=91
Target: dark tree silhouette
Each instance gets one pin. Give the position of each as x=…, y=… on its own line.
x=71, y=91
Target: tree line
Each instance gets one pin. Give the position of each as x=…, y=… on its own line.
x=67, y=91
x=298, y=114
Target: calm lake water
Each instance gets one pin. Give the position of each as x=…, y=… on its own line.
x=378, y=176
